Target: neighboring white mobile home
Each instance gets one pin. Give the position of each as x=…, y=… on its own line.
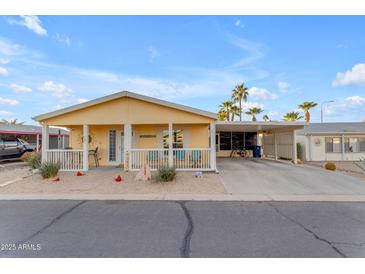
x=332, y=142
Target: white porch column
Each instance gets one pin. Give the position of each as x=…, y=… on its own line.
x=310, y=152
x=212, y=146
x=275, y=146
x=343, y=147
x=45, y=142
x=295, y=158
x=127, y=146
x=171, y=156
x=37, y=143
x=85, y=147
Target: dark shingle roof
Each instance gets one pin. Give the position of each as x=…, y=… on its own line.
x=318, y=128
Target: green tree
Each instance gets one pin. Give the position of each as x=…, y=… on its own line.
x=222, y=115
x=292, y=116
x=239, y=94
x=306, y=106
x=266, y=118
x=253, y=112
x=226, y=106
x=235, y=111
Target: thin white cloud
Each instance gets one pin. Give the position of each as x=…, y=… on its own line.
x=4, y=61
x=239, y=24
x=62, y=39
x=348, y=104
x=283, y=86
x=247, y=105
x=261, y=94
x=5, y=113
x=254, y=50
x=3, y=71
x=153, y=53
x=9, y=102
x=56, y=90
x=20, y=89
x=31, y=22
x=355, y=76
x=81, y=100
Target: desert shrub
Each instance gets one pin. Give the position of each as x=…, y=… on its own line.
x=166, y=174
x=330, y=166
x=33, y=159
x=49, y=169
x=26, y=155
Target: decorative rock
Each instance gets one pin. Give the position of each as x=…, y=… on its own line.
x=144, y=174
x=198, y=174
x=79, y=173
x=118, y=179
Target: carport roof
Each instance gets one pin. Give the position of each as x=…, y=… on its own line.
x=257, y=126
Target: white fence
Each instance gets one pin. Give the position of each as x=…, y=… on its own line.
x=192, y=158
x=154, y=157
x=70, y=159
x=183, y=159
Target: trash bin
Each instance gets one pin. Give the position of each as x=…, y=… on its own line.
x=257, y=152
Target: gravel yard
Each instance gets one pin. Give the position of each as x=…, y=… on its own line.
x=101, y=181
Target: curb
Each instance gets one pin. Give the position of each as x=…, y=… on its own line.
x=188, y=197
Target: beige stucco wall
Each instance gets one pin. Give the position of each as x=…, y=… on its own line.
x=126, y=110
x=195, y=136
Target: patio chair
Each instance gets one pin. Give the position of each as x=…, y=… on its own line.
x=94, y=153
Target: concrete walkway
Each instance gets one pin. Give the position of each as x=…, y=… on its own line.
x=277, y=179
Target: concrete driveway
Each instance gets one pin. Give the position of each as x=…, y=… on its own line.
x=267, y=177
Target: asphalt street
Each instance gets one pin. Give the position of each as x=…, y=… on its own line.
x=181, y=229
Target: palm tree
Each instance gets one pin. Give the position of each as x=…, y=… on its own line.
x=11, y=122
x=240, y=93
x=266, y=118
x=226, y=106
x=292, y=116
x=222, y=115
x=306, y=106
x=235, y=111
x=253, y=112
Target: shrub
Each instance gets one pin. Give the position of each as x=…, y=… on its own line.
x=330, y=166
x=49, y=169
x=33, y=159
x=166, y=174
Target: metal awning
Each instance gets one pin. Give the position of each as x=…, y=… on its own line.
x=259, y=126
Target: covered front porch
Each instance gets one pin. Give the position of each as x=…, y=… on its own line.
x=130, y=146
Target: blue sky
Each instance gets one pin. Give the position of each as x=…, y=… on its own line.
x=50, y=62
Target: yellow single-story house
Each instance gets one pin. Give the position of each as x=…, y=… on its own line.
x=128, y=129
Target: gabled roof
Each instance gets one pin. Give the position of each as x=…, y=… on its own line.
x=121, y=95
x=333, y=128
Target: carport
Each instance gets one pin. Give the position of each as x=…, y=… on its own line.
x=277, y=139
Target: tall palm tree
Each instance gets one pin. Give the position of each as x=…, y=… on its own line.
x=235, y=111
x=239, y=94
x=226, y=106
x=11, y=122
x=266, y=118
x=253, y=112
x=222, y=115
x=306, y=106
x=292, y=116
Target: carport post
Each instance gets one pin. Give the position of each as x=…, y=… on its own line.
x=37, y=148
x=275, y=146
x=85, y=146
x=295, y=160
x=45, y=142
x=127, y=146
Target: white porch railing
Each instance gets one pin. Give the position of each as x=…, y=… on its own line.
x=154, y=157
x=192, y=158
x=70, y=159
x=183, y=159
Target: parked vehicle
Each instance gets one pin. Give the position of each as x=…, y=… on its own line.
x=13, y=148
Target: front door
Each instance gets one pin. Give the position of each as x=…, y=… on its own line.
x=115, y=147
